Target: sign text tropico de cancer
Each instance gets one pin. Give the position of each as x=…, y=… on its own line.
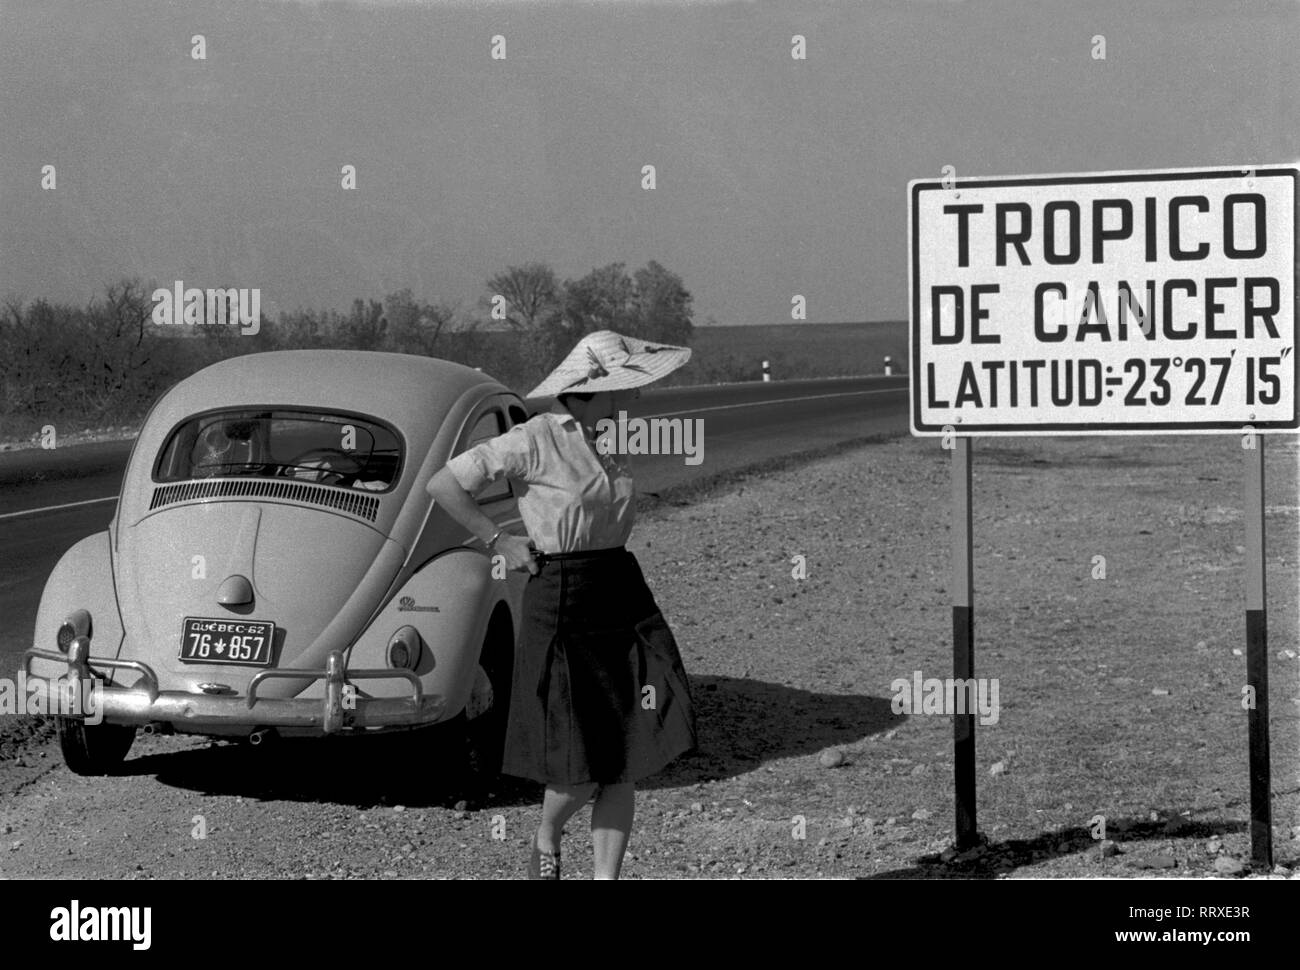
x=1120, y=302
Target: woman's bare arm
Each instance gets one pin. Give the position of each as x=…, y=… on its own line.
x=462, y=508
x=460, y=504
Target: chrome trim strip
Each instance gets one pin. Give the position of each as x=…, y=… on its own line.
x=140, y=706
x=193, y=712
x=84, y=669
x=417, y=689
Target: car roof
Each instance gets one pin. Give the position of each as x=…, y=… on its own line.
x=404, y=389
x=425, y=399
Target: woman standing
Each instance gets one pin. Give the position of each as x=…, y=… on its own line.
x=599, y=698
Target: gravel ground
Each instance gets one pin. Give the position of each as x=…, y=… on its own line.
x=1119, y=697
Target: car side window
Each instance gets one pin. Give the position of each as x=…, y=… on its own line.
x=486, y=428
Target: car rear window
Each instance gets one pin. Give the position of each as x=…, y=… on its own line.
x=328, y=449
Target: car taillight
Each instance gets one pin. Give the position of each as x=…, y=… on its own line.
x=76, y=624
x=404, y=649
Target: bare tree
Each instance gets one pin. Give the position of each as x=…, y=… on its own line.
x=119, y=329
x=532, y=294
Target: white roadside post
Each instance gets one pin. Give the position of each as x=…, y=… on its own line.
x=766, y=375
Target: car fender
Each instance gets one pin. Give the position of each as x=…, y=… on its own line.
x=449, y=601
x=82, y=580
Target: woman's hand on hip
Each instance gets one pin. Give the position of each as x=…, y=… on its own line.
x=517, y=551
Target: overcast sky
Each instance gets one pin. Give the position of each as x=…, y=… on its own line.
x=775, y=176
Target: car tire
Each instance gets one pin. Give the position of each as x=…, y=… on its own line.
x=93, y=749
x=485, y=735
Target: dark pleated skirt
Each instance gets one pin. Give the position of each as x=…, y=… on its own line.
x=599, y=692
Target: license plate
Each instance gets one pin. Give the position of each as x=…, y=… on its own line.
x=246, y=642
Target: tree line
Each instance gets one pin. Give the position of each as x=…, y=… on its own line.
x=107, y=361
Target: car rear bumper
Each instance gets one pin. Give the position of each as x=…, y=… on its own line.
x=341, y=709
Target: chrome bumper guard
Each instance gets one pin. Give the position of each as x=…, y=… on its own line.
x=339, y=709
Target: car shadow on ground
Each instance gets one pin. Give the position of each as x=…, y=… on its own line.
x=742, y=723
x=1141, y=850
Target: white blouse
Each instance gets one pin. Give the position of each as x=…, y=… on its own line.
x=570, y=498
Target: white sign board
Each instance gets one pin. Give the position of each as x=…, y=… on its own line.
x=1121, y=302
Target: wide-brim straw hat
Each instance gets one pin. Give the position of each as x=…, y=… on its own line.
x=608, y=361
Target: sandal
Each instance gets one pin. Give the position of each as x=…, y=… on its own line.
x=543, y=865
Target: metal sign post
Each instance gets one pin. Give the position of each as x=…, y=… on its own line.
x=963, y=643
x=1261, y=809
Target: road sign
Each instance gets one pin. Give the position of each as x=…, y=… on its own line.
x=1110, y=303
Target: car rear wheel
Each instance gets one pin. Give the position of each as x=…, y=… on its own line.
x=94, y=749
x=486, y=733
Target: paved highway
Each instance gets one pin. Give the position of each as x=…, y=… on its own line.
x=49, y=500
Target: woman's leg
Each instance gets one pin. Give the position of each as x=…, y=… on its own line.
x=559, y=804
x=611, y=824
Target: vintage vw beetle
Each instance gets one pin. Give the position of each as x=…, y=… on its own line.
x=275, y=565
